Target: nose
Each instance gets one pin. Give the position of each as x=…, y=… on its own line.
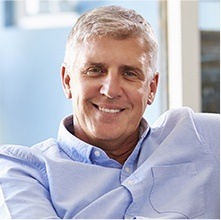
x=111, y=86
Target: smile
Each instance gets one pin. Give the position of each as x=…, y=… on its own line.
x=108, y=110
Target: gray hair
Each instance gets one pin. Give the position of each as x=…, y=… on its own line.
x=115, y=22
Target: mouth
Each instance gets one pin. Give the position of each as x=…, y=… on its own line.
x=108, y=110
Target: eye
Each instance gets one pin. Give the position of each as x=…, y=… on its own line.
x=95, y=71
x=130, y=74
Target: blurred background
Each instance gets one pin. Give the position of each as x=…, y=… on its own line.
x=33, y=34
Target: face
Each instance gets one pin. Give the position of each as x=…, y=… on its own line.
x=110, y=83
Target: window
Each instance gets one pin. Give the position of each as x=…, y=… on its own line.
x=40, y=13
x=210, y=55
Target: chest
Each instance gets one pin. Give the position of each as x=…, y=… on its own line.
x=81, y=190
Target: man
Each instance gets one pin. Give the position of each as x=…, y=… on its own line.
x=107, y=161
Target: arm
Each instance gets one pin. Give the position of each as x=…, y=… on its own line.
x=24, y=192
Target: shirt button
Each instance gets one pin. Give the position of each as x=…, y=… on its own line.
x=127, y=170
x=97, y=153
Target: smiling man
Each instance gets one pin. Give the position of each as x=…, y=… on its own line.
x=107, y=162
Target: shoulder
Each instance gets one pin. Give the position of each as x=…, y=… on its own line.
x=187, y=116
x=184, y=122
x=185, y=125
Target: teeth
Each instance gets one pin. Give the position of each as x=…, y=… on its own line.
x=109, y=110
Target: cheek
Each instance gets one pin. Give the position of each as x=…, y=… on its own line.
x=77, y=92
x=82, y=90
x=142, y=97
x=143, y=90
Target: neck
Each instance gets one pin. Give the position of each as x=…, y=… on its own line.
x=118, y=150
x=123, y=151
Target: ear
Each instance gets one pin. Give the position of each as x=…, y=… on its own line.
x=65, y=77
x=153, y=88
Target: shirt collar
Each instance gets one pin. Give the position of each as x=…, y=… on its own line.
x=81, y=151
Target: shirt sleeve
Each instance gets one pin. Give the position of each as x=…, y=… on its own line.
x=208, y=127
x=23, y=189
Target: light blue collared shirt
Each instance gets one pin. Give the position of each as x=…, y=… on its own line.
x=173, y=172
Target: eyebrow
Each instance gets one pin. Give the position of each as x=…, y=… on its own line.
x=100, y=64
x=130, y=67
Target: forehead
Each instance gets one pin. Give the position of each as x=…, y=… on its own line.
x=112, y=50
x=106, y=41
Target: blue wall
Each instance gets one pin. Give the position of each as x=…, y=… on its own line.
x=31, y=96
